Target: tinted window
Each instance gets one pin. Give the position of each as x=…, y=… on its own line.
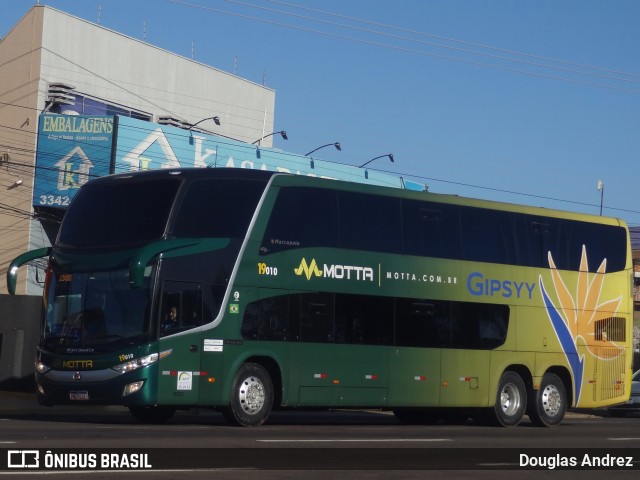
x=434, y=323
x=479, y=326
x=316, y=317
x=217, y=208
x=537, y=236
x=370, y=320
x=548, y=235
x=370, y=222
x=363, y=319
x=600, y=241
x=118, y=213
x=423, y=323
x=302, y=218
x=267, y=319
x=181, y=307
x=488, y=235
x=311, y=217
x=431, y=229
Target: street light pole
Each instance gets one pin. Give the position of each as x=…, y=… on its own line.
x=283, y=133
x=601, y=190
x=390, y=155
x=336, y=144
x=215, y=119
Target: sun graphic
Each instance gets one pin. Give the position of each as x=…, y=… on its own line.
x=574, y=319
x=580, y=314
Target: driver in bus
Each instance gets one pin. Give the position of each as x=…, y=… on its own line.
x=171, y=322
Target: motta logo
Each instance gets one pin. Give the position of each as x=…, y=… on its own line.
x=308, y=270
x=339, y=272
x=73, y=364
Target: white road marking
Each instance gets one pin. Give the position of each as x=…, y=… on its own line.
x=353, y=440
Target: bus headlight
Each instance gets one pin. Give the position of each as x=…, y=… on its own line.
x=132, y=388
x=136, y=363
x=41, y=368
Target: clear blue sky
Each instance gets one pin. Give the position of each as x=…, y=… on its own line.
x=528, y=102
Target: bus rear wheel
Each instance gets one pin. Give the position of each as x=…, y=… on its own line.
x=154, y=414
x=251, y=397
x=511, y=400
x=549, y=402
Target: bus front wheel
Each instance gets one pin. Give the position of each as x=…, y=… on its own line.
x=549, y=402
x=251, y=396
x=511, y=400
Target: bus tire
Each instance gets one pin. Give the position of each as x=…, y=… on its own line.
x=153, y=414
x=549, y=402
x=251, y=397
x=511, y=400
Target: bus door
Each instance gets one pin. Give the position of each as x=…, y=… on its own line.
x=180, y=347
x=340, y=354
x=476, y=329
x=422, y=331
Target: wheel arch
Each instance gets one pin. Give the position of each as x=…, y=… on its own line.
x=521, y=370
x=566, y=379
x=275, y=372
x=266, y=360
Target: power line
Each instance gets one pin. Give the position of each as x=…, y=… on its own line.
x=450, y=39
x=420, y=52
x=431, y=44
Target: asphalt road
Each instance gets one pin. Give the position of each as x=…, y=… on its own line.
x=309, y=444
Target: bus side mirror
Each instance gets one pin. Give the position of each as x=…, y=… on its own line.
x=14, y=266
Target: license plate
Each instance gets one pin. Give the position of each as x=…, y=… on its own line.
x=79, y=395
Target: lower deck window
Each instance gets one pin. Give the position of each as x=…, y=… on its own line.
x=370, y=320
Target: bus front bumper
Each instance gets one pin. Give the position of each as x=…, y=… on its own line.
x=104, y=387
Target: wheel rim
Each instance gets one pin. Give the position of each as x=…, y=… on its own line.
x=251, y=395
x=510, y=399
x=551, y=400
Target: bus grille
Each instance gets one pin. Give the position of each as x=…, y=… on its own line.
x=610, y=329
x=609, y=374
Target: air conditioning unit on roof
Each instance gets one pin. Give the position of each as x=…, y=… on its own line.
x=172, y=121
x=61, y=93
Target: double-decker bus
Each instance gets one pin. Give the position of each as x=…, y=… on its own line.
x=246, y=290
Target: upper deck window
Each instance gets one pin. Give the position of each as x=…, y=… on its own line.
x=304, y=217
x=218, y=208
x=118, y=213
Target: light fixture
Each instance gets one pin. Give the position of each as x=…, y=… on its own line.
x=335, y=144
x=283, y=133
x=390, y=155
x=216, y=120
x=15, y=184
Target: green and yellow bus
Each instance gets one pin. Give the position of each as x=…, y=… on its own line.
x=246, y=291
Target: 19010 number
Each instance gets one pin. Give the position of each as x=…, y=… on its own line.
x=264, y=269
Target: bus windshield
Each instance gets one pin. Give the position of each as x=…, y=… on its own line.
x=97, y=311
x=118, y=213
